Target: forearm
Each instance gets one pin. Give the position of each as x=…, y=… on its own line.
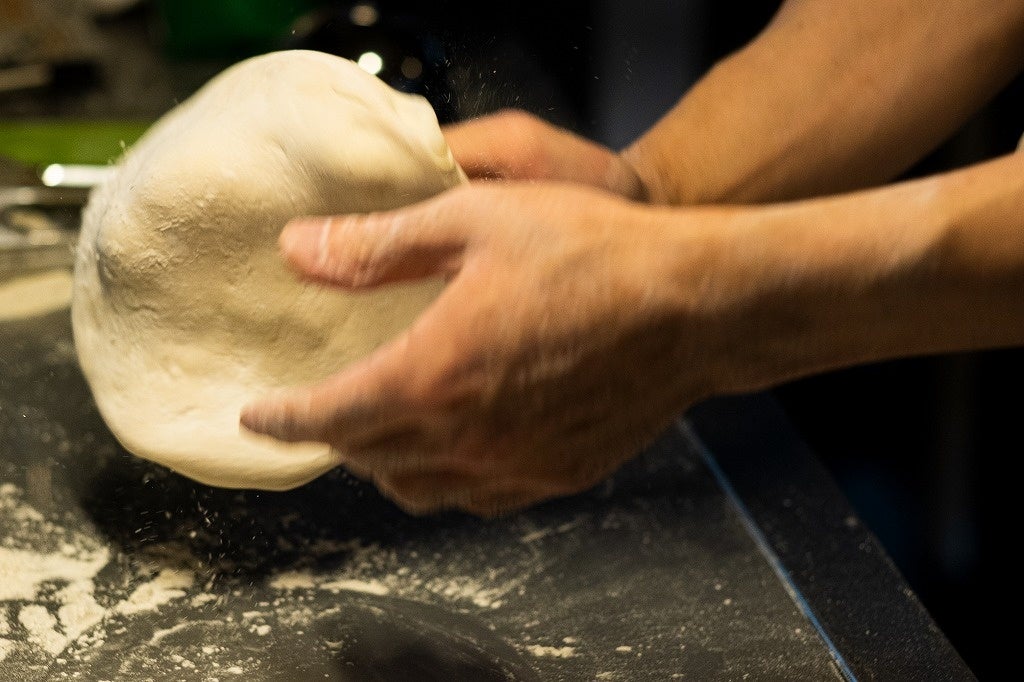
x=832, y=96
x=931, y=266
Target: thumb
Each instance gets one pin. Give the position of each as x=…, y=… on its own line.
x=357, y=251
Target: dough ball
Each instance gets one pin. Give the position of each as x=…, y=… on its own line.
x=183, y=310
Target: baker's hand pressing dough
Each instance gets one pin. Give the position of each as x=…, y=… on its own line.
x=183, y=310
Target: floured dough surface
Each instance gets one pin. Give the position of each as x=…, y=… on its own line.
x=183, y=310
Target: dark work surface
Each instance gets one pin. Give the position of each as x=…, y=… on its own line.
x=651, y=575
x=656, y=573
x=857, y=596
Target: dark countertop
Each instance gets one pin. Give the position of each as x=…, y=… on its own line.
x=834, y=563
x=723, y=551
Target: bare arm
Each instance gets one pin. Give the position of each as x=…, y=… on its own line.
x=621, y=315
x=831, y=96
x=930, y=266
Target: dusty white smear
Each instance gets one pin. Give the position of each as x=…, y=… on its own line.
x=293, y=580
x=64, y=595
x=366, y=586
x=53, y=619
x=169, y=583
x=22, y=571
x=42, y=628
x=35, y=294
x=552, y=651
x=78, y=611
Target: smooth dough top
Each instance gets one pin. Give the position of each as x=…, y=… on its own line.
x=183, y=310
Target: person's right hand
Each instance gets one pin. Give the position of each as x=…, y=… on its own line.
x=515, y=145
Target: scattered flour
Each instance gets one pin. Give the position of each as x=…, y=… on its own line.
x=66, y=617
x=552, y=651
x=204, y=598
x=541, y=533
x=367, y=586
x=59, y=585
x=169, y=583
x=293, y=580
x=23, y=571
x=78, y=611
x=468, y=589
x=374, y=570
x=160, y=634
x=42, y=628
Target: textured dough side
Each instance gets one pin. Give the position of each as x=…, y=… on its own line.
x=183, y=310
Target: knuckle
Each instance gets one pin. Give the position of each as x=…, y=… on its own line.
x=359, y=263
x=528, y=152
x=516, y=119
x=436, y=387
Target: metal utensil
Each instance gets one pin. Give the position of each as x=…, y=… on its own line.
x=38, y=227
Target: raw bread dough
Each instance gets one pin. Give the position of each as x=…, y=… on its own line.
x=183, y=310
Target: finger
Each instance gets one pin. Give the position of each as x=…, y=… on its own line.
x=354, y=406
x=432, y=493
x=358, y=251
x=403, y=450
x=388, y=392
x=508, y=145
x=409, y=455
x=426, y=493
x=480, y=145
x=538, y=151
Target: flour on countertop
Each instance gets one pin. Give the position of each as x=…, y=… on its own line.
x=52, y=619
x=52, y=591
x=552, y=651
x=293, y=580
x=365, y=586
x=169, y=583
x=35, y=294
x=23, y=571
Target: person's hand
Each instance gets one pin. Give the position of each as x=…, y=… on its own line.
x=552, y=356
x=516, y=145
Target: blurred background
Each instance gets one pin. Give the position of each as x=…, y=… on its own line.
x=921, y=446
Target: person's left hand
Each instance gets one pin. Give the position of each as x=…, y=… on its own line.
x=515, y=145
x=552, y=356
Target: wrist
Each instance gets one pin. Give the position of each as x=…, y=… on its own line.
x=653, y=186
x=774, y=293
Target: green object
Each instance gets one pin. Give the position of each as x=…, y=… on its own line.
x=42, y=142
x=208, y=28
